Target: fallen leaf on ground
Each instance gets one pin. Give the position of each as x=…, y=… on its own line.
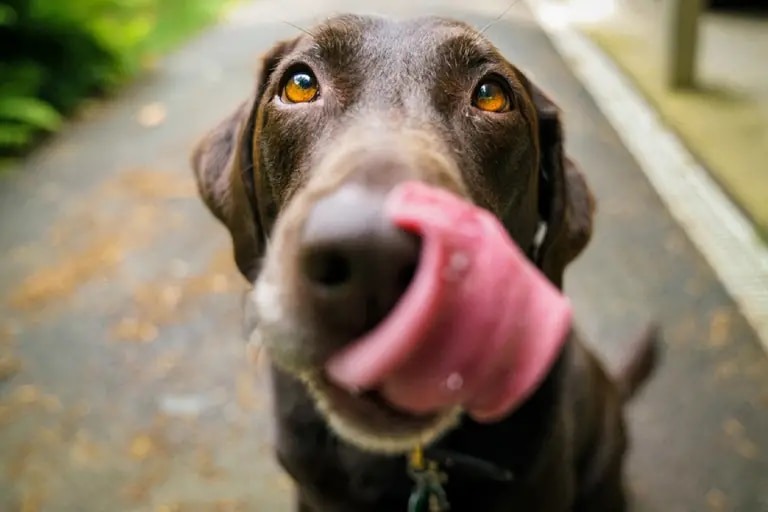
x=230, y=506
x=9, y=413
x=84, y=451
x=733, y=427
x=62, y=278
x=142, y=447
x=26, y=395
x=10, y=365
x=6, y=336
x=155, y=184
x=168, y=508
x=160, y=303
x=152, y=114
x=31, y=500
x=747, y=449
x=141, y=487
x=135, y=329
x=50, y=403
x=719, y=328
x=165, y=363
x=207, y=467
x=742, y=444
x=717, y=500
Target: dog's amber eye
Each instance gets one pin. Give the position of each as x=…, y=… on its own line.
x=301, y=87
x=491, y=97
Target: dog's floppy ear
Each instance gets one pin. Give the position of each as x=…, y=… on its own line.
x=566, y=203
x=224, y=167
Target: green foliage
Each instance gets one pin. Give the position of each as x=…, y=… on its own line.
x=54, y=53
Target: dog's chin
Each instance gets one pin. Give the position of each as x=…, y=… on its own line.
x=364, y=420
x=367, y=421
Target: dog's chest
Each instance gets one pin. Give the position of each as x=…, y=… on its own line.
x=381, y=485
x=332, y=476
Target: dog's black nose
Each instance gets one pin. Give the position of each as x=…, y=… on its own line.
x=355, y=263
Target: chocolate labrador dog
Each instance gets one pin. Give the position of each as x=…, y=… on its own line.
x=298, y=174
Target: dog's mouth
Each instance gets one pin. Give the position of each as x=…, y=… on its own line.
x=365, y=406
x=368, y=420
x=368, y=411
x=477, y=329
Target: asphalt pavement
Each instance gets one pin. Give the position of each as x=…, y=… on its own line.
x=123, y=382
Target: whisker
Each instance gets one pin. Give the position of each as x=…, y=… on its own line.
x=499, y=17
x=298, y=27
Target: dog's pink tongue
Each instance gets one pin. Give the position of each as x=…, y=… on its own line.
x=479, y=326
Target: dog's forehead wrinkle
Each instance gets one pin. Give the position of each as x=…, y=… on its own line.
x=467, y=51
x=399, y=45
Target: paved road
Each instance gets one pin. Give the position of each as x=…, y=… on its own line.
x=123, y=386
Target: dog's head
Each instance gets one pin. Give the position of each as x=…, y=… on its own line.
x=341, y=115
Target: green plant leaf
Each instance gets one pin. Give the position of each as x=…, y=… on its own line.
x=14, y=137
x=8, y=15
x=20, y=78
x=31, y=111
x=58, y=52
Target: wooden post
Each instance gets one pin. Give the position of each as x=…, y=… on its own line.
x=682, y=19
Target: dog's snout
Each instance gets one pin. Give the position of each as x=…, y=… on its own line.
x=354, y=262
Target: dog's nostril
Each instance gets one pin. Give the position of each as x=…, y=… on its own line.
x=354, y=263
x=328, y=268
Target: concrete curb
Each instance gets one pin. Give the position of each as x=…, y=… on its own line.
x=714, y=224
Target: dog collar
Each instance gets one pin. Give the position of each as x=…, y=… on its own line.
x=428, y=494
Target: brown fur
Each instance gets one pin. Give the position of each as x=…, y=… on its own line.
x=395, y=106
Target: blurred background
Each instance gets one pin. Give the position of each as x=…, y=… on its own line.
x=699, y=62
x=58, y=55
x=123, y=380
